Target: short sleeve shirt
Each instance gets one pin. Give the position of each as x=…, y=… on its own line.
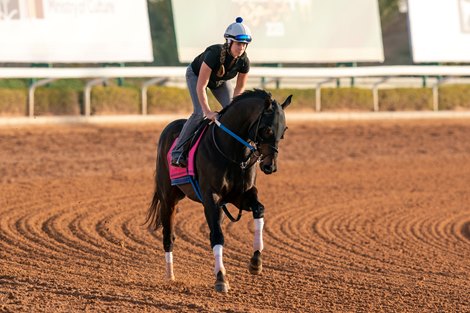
x=211, y=56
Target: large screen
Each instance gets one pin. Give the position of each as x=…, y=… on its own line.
x=284, y=31
x=74, y=31
x=440, y=30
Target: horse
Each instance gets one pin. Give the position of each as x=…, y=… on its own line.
x=225, y=173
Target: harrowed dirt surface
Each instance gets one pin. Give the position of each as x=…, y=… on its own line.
x=360, y=217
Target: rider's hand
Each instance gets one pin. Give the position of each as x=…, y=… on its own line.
x=212, y=115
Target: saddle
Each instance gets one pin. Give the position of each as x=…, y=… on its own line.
x=193, y=139
x=187, y=175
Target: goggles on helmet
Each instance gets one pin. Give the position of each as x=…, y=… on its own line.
x=241, y=38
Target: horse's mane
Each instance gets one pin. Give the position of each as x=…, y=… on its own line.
x=255, y=93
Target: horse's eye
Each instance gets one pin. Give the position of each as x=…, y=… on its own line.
x=268, y=132
x=285, y=129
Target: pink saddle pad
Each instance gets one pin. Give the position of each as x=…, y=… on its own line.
x=177, y=173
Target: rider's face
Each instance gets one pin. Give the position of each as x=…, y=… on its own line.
x=237, y=48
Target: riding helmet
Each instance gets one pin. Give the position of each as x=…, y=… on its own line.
x=238, y=32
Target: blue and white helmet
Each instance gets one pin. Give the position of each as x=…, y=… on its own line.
x=238, y=32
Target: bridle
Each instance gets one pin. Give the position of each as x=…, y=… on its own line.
x=251, y=143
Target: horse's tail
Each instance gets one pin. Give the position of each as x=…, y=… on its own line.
x=162, y=177
x=153, y=219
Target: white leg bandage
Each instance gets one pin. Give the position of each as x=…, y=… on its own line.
x=169, y=265
x=169, y=257
x=218, y=255
x=258, y=240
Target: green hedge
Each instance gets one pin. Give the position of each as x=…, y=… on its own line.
x=161, y=99
x=54, y=101
x=13, y=101
x=405, y=99
x=115, y=100
x=454, y=97
x=59, y=100
x=168, y=99
x=346, y=99
x=14, y=83
x=359, y=99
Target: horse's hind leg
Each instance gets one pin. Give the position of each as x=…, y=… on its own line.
x=168, y=217
x=165, y=194
x=168, y=213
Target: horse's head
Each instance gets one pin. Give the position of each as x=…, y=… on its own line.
x=270, y=130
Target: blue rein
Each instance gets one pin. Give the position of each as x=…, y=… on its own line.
x=231, y=133
x=195, y=183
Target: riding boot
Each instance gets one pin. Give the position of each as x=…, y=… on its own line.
x=179, y=154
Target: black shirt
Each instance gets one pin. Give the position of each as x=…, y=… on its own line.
x=211, y=56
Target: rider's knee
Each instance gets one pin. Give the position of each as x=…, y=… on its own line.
x=197, y=116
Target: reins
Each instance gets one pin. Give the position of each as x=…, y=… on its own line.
x=253, y=146
x=228, y=131
x=230, y=216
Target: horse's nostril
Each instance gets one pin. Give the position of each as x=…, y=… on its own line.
x=267, y=169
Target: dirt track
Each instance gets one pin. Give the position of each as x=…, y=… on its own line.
x=361, y=217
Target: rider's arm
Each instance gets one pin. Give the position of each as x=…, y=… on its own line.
x=241, y=83
x=202, y=81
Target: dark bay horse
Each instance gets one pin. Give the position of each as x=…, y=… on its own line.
x=225, y=172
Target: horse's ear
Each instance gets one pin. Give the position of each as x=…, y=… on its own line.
x=287, y=102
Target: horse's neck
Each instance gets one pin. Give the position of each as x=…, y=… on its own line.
x=241, y=117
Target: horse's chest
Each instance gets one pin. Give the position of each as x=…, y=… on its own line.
x=238, y=183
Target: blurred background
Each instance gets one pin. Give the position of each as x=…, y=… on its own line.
x=288, y=34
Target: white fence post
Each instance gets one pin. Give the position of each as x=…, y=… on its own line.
x=318, y=93
x=375, y=93
x=143, y=91
x=31, y=91
x=87, y=94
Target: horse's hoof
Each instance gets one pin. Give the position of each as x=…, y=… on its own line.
x=256, y=263
x=220, y=284
x=169, y=272
x=170, y=276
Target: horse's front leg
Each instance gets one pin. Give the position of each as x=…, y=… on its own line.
x=256, y=264
x=250, y=203
x=213, y=215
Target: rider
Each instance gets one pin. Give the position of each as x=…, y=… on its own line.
x=214, y=68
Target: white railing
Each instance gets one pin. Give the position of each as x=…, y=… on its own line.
x=158, y=74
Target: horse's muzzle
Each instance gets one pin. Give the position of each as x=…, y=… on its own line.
x=268, y=160
x=268, y=168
